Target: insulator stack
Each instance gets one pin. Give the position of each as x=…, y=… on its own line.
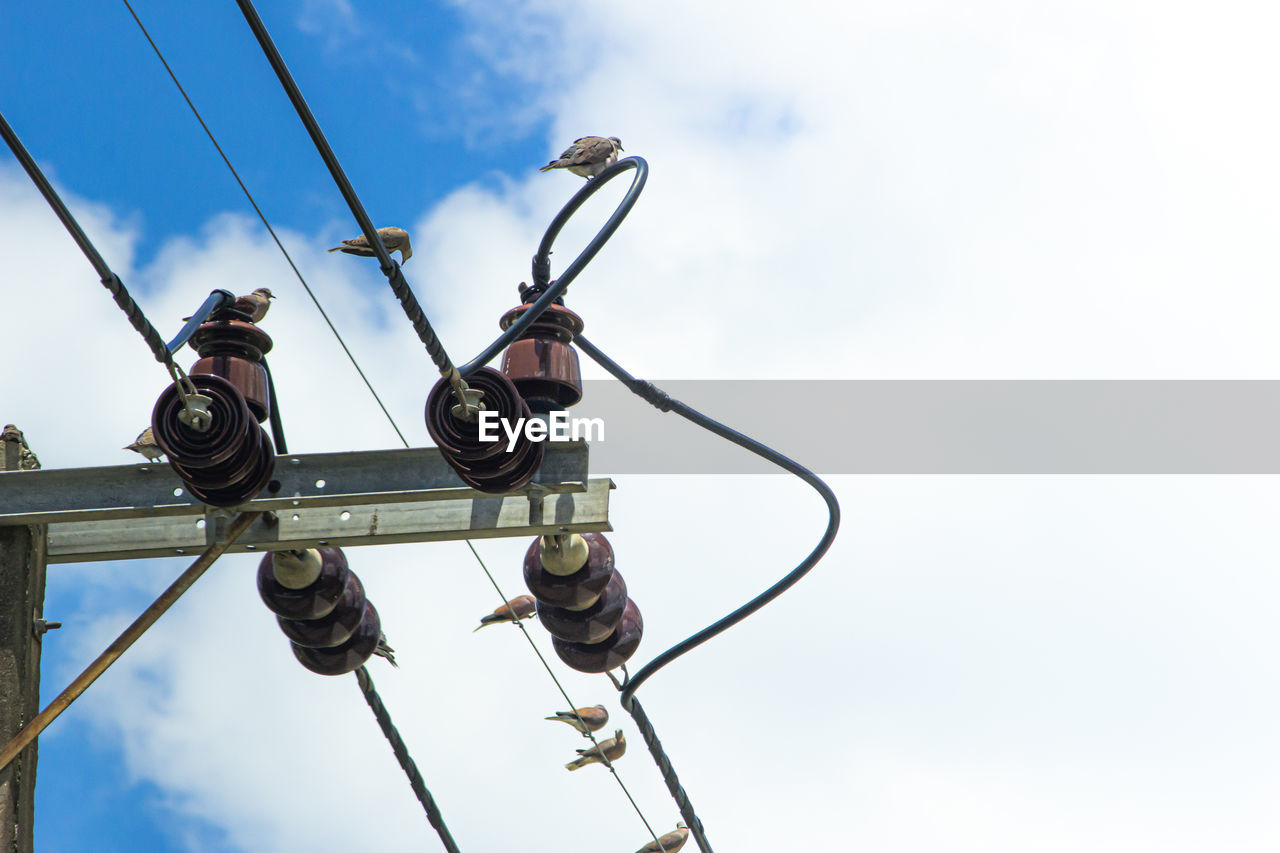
x=582, y=601
x=541, y=363
x=227, y=464
x=231, y=462
x=484, y=464
x=321, y=607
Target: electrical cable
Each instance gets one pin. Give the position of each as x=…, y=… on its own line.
x=665, y=403
x=404, y=758
x=177, y=342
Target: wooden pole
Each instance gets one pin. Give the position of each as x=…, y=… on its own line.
x=22, y=574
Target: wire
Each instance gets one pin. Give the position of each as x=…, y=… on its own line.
x=262, y=216
x=395, y=277
x=662, y=401
x=402, y=756
x=109, y=279
x=563, y=692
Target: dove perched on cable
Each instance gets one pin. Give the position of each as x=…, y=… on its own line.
x=596, y=718
x=395, y=239
x=520, y=607
x=145, y=444
x=588, y=156
x=612, y=749
x=669, y=843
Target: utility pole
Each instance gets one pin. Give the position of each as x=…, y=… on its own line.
x=22, y=572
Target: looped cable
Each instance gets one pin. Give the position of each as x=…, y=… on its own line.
x=542, y=260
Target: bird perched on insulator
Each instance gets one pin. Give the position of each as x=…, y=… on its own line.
x=145, y=444
x=584, y=719
x=588, y=156
x=520, y=607
x=395, y=239
x=612, y=749
x=383, y=650
x=255, y=304
x=669, y=843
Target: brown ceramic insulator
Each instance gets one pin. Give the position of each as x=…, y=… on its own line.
x=542, y=364
x=592, y=625
x=233, y=349
x=484, y=465
x=334, y=629
x=610, y=654
x=314, y=601
x=348, y=656
x=225, y=439
x=575, y=591
x=245, y=487
x=249, y=376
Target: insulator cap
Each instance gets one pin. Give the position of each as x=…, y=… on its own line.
x=349, y=656
x=233, y=349
x=592, y=625
x=610, y=654
x=575, y=591
x=484, y=465
x=542, y=364
x=311, y=602
x=334, y=629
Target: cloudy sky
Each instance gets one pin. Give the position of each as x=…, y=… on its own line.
x=915, y=190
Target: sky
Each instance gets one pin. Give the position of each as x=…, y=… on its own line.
x=838, y=191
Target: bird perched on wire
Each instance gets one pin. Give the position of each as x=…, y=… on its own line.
x=588, y=156
x=669, y=843
x=520, y=607
x=612, y=749
x=145, y=444
x=595, y=718
x=385, y=651
x=395, y=239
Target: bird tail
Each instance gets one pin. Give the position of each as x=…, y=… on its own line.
x=336, y=249
x=548, y=167
x=577, y=764
x=487, y=621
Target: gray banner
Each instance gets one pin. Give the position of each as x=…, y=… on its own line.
x=946, y=427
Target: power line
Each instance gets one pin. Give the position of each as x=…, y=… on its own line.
x=258, y=210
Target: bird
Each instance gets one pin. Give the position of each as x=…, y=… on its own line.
x=255, y=304
x=385, y=651
x=145, y=444
x=669, y=843
x=596, y=718
x=520, y=607
x=588, y=156
x=612, y=749
x=395, y=239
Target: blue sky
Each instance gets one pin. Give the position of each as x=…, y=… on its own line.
x=847, y=190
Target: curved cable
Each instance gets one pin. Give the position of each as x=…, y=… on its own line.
x=660, y=400
x=542, y=260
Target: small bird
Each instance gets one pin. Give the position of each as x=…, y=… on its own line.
x=588, y=156
x=395, y=239
x=612, y=749
x=669, y=843
x=385, y=651
x=255, y=304
x=520, y=607
x=145, y=444
x=595, y=718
